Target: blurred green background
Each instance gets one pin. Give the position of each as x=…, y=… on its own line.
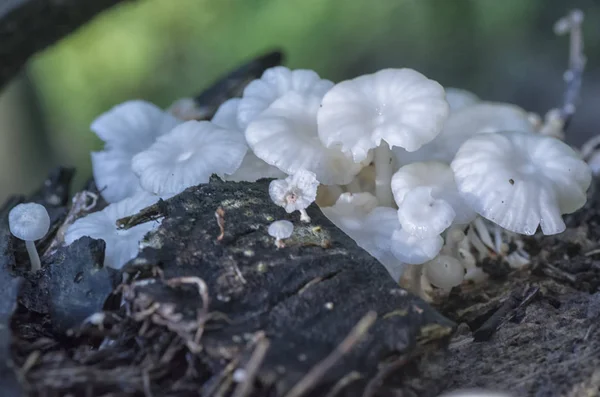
x=161, y=50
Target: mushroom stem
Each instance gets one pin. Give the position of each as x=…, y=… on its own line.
x=304, y=215
x=33, y=256
x=383, y=175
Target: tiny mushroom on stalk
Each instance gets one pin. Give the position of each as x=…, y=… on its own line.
x=188, y=156
x=520, y=180
x=400, y=107
x=295, y=193
x=127, y=129
x=280, y=230
x=29, y=222
x=444, y=271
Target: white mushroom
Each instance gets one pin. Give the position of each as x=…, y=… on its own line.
x=285, y=135
x=350, y=210
x=295, y=193
x=400, y=107
x=422, y=215
x=29, y=222
x=252, y=168
x=478, y=118
x=444, y=271
x=439, y=178
x=121, y=245
x=521, y=180
x=188, y=156
x=458, y=98
x=274, y=84
x=280, y=230
x=127, y=129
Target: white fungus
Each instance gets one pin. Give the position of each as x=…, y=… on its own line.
x=121, y=245
x=252, y=168
x=275, y=83
x=439, y=178
x=350, y=210
x=281, y=230
x=126, y=129
x=398, y=106
x=29, y=222
x=483, y=117
x=422, y=215
x=188, y=156
x=285, y=136
x=458, y=98
x=444, y=271
x=295, y=193
x=521, y=180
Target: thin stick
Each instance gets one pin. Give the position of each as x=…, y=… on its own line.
x=245, y=387
x=375, y=383
x=310, y=380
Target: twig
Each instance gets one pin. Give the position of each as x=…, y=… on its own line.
x=375, y=383
x=310, y=380
x=151, y=213
x=343, y=383
x=220, y=215
x=245, y=387
x=505, y=313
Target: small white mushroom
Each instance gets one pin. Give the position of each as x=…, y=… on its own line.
x=121, y=245
x=458, y=98
x=252, y=168
x=521, y=180
x=422, y=215
x=188, y=156
x=281, y=230
x=400, y=107
x=482, y=117
x=285, y=136
x=444, y=271
x=127, y=129
x=350, y=210
x=274, y=84
x=29, y=222
x=439, y=179
x=295, y=193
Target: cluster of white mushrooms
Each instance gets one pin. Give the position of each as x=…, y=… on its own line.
x=423, y=178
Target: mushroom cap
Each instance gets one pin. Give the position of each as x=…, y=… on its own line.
x=478, y=118
x=252, y=168
x=113, y=175
x=29, y=221
x=121, y=245
x=285, y=136
x=350, y=210
x=127, y=129
x=275, y=83
x=281, y=229
x=520, y=180
x=188, y=156
x=296, y=192
x=133, y=126
x=437, y=176
x=400, y=106
x=382, y=236
x=422, y=216
x=458, y=98
x=444, y=271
